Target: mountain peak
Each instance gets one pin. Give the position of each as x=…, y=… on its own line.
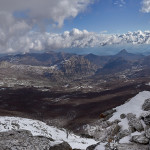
x=124, y=51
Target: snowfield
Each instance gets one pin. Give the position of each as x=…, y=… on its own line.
x=133, y=106
x=38, y=128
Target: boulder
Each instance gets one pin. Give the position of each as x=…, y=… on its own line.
x=147, y=131
x=62, y=146
x=92, y=147
x=23, y=140
x=105, y=124
x=146, y=118
x=134, y=122
x=113, y=130
x=141, y=139
x=146, y=105
x=108, y=113
x=122, y=134
x=131, y=129
x=122, y=116
x=107, y=134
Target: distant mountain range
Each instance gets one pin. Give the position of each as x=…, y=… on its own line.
x=60, y=67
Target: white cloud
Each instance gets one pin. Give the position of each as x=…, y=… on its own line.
x=16, y=35
x=10, y=30
x=40, y=10
x=145, y=6
x=15, y=31
x=35, y=41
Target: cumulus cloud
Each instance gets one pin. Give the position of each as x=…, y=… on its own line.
x=41, y=10
x=10, y=30
x=145, y=6
x=35, y=41
x=19, y=17
x=16, y=33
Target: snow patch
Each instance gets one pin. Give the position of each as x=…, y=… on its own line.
x=125, y=140
x=133, y=106
x=38, y=128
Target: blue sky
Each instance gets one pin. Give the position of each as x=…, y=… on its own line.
x=105, y=15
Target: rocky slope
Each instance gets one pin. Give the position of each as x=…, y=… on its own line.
x=24, y=140
x=46, y=67
x=126, y=127
x=37, y=59
x=35, y=131
x=78, y=67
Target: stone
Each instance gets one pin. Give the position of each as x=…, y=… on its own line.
x=131, y=129
x=23, y=140
x=122, y=134
x=105, y=124
x=92, y=147
x=141, y=139
x=146, y=105
x=146, y=118
x=62, y=146
x=147, y=131
x=107, y=134
x=134, y=122
x=116, y=121
x=132, y=146
x=122, y=116
x=114, y=129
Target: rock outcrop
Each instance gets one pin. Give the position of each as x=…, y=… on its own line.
x=141, y=139
x=132, y=146
x=128, y=129
x=23, y=140
x=147, y=131
x=62, y=146
x=134, y=122
x=146, y=105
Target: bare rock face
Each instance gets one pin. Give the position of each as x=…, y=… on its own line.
x=146, y=118
x=132, y=146
x=107, y=134
x=134, y=122
x=77, y=66
x=141, y=139
x=23, y=140
x=146, y=105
